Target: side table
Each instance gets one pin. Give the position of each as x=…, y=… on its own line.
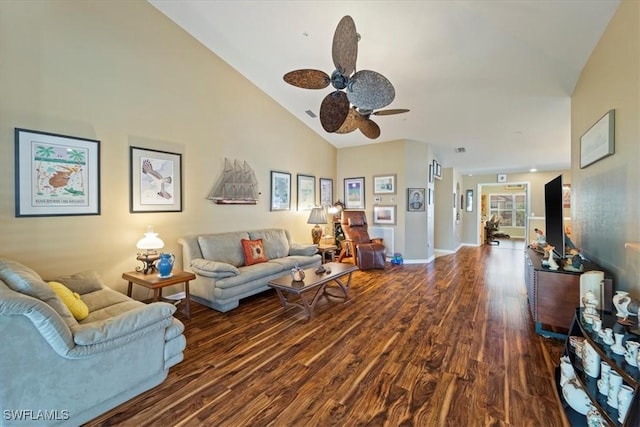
x=328, y=249
x=152, y=281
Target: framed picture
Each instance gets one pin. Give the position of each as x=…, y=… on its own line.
x=598, y=142
x=566, y=196
x=354, y=193
x=384, y=214
x=326, y=192
x=156, y=181
x=306, y=192
x=431, y=173
x=56, y=175
x=415, y=199
x=438, y=172
x=469, y=201
x=280, y=191
x=430, y=199
x=384, y=184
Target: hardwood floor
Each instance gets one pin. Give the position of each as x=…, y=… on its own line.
x=450, y=343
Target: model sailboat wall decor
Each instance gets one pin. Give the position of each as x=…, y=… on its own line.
x=237, y=185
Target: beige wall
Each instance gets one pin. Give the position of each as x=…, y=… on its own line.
x=607, y=208
x=122, y=73
x=409, y=160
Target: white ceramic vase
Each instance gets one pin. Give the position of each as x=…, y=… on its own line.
x=617, y=347
x=590, y=361
x=621, y=301
x=631, y=355
x=615, y=383
x=625, y=396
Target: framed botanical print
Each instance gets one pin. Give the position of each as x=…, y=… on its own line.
x=326, y=192
x=156, y=181
x=56, y=175
x=280, y=191
x=354, y=193
x=306, y=192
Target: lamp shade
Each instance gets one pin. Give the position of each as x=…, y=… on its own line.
x=317, y=216
x=150, y=240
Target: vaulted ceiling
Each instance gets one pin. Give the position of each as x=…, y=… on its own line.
x=492, y=77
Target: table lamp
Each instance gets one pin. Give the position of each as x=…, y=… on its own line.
x=316, y=217
x=149, y=243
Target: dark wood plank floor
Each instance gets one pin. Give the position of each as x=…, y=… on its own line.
x=450, y=343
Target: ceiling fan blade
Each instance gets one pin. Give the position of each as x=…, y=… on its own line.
x=370, y=129
x=351, y=123
x=369, y=90
x=390, y=112
x=345, y=46
x=334, y=110
x=308, y=79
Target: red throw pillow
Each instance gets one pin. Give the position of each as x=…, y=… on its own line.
x=253, y=251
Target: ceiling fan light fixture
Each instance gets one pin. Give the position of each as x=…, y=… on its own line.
x=356, y=95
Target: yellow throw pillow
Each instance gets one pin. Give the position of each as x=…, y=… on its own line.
x=72, y=300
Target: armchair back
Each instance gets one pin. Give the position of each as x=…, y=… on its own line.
x=355, y=227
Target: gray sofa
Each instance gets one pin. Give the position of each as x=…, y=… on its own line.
x=222, y=276
x=56, y=370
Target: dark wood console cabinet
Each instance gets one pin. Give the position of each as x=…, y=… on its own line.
x=554, y=294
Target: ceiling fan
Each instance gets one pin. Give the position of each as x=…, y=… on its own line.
x=357, y=93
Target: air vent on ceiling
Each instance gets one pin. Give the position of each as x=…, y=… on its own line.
x=311, y=114
x=460, y=150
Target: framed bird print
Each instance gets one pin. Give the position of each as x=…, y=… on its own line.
x=56, y=175
x=156, y=181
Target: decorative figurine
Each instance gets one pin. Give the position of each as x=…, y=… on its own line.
x=553, y=265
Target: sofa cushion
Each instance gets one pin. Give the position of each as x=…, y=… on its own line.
x=82, y=283
x=223, y=247
x=275, y=241
x=208, y=268
x=71, y=299
x=253, y=251
x=24, y=280
x=304, y=250
x=250, y=273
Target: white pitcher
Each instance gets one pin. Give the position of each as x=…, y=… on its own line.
x=631, y=355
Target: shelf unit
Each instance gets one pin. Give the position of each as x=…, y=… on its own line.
x=630, y=374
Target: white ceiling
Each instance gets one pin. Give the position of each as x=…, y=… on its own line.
x=494, y=77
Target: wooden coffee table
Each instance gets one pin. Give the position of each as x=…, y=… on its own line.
x=313, y=286
x=152, y=281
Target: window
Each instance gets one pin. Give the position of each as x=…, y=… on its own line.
x=511, y=207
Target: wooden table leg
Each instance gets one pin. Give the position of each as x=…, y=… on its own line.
x=187, y=303
x=129, y=289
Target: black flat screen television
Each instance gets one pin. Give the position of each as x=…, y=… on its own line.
x=554, y=215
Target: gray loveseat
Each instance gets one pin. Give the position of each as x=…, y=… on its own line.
x=222, y=276
x=55, y=370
